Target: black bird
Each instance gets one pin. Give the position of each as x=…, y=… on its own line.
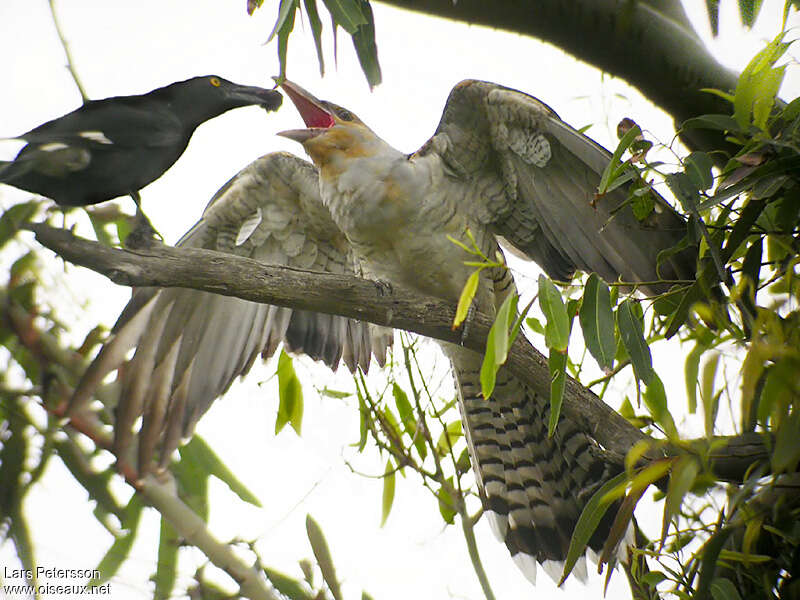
x=116, y=146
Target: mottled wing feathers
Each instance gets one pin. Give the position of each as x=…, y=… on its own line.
x=191, y=345
x=541, y=178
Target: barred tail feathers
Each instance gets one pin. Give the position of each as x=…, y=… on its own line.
x=533, y=486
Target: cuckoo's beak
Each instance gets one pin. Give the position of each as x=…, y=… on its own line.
x=316, y=116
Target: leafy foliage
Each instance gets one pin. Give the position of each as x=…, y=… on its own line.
x=354, y=16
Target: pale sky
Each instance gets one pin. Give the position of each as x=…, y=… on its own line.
x=133, y=47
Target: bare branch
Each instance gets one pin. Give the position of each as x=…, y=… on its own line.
x=68, y=54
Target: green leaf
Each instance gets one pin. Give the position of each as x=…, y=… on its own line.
x=465, y=300
x=597, y=322
x=655, y=398
x=338, y=394
x=167, y=564
x=557, y=363
x=446, y=502
x=192, y=477
x=283, y=35
x=710, y=400
x=691, y=370
x=535, y=325
x=388, y=491
x=290, y=392
x=712, y=8
x=14, y=217
x=26, y=264
x=501, y=327
x=685, y=191
x=556, y=330
x=448, y=438
x=404, y=408
x=684, y=472
x=615, y=167
x=653, y=578
x=632, y=335
x=723, y=589
x=588, y=521
x=119, y=550
x=346, y=13
x=748, y=11
x=363, y=423
x=323, y=556
x=497, y=344
x=287, y=586
x=698, y=166
x=406, y=413
x=709, y=554
x=366, y=48
x=713, y=122
x=787, y=451
x=316, y=31
x=201, y=454
x=283, y=15
x=758, y=85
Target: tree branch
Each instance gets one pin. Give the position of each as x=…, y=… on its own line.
x=401, y=308
x=163, y=497
x=68, y=54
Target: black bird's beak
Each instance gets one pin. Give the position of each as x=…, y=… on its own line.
x=247, y=95
x=317, y=117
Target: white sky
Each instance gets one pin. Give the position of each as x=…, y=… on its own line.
x=133, y=47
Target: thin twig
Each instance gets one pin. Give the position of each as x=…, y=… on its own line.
x=68, y=54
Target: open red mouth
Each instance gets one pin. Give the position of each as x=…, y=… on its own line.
x=312, y=111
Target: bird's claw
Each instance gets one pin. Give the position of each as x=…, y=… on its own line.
x=383, y=286
x=465, y=324
x=143, y=233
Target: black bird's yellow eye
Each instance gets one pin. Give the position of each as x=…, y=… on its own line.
x=215, y=81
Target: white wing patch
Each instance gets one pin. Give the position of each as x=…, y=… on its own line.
x=248, y=227
x=53, y=147
x=95, y=136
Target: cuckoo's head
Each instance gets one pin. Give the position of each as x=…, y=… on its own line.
x=333, y=134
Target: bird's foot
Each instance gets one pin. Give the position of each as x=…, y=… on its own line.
x=384, y=287
x=465, y=324
x=143, y=233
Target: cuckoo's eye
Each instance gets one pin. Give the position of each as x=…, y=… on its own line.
x=345, y=115
x=215, y=81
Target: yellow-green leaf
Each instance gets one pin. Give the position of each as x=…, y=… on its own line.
x=290, y=393
x=588, y=521
x=710, y=399
x=556, y=330
x=323, y=555
x=388, y=491
x=465, y=300
x=557, y=364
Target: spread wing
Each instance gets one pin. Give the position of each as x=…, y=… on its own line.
x=540, y=177
x=191, y=345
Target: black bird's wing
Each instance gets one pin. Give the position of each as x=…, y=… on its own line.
x=191, y=345
x=540, y=177
x=129, y=122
